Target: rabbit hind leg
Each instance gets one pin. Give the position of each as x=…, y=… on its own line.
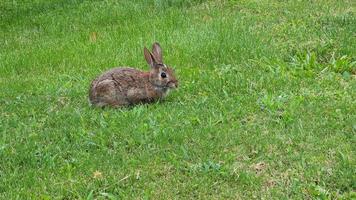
x=108, y=95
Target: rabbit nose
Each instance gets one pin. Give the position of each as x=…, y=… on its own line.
x=175, y=84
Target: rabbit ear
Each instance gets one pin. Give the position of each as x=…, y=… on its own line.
x=149, y=57
x=157, y=52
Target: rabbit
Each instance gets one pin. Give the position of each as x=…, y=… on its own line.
x=124, y=86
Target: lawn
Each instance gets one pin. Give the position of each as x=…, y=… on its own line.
x=266, y=106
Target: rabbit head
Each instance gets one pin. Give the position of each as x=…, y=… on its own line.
x=161, y=75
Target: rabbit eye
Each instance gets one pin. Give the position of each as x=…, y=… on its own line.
x=163, y=75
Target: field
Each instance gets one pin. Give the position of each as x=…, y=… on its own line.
x=266, y=107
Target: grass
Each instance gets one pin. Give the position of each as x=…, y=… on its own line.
x=265, y=109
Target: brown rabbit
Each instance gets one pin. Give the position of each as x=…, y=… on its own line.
x=127, y=86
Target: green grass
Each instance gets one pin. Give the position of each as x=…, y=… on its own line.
x=265, y=109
